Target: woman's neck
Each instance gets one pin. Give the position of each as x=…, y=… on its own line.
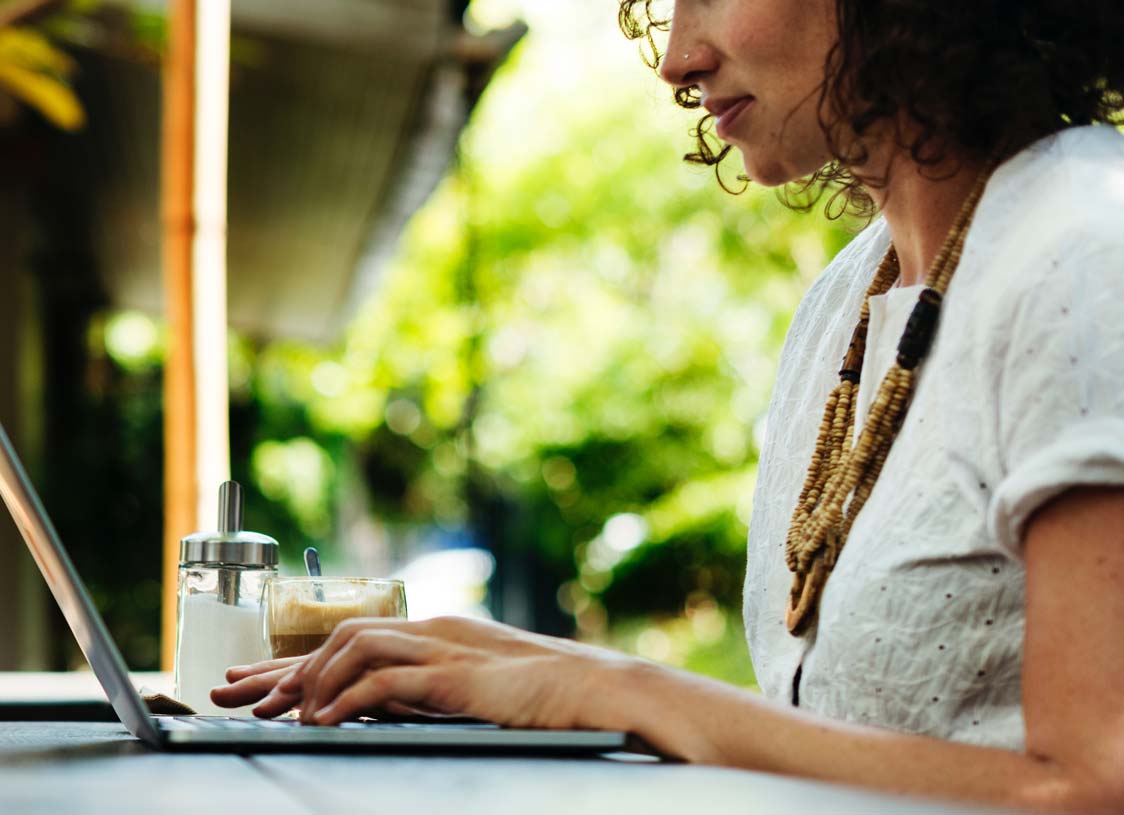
x=920, y=205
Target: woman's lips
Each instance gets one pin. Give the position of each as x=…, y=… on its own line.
x=725, y=122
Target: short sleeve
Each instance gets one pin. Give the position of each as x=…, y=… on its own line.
x=1060, y=381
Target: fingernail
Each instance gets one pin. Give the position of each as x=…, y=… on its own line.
x=238, y=667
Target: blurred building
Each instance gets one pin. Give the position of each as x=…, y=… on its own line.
x=344, y=116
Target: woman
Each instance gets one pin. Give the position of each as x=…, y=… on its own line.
x=960, y=635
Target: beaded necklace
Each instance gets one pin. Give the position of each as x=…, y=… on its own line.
x=841, y=469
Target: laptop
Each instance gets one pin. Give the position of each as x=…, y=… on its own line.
x=236, y=734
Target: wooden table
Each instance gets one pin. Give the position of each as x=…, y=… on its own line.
x=61, y=767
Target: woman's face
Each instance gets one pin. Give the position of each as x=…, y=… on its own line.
x=759, y=65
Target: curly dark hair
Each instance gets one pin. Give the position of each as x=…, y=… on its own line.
x=980, y=78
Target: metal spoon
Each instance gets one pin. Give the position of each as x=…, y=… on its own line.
x=312, y=566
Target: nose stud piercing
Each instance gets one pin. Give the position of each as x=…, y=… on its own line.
x=686, y=57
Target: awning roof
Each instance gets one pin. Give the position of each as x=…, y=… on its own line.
x=344, y=115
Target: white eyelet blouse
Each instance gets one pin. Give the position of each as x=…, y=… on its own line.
x=1022, y=396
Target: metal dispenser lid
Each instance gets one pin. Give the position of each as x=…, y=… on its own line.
x=230, y=545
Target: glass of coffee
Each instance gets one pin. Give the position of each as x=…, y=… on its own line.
x=298, y=613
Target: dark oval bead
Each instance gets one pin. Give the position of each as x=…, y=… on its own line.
x=919, y=331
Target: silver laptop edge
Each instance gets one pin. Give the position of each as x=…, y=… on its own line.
x=109, y=666
x=70, y=593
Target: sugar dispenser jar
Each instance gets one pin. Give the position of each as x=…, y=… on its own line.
x=221, y=576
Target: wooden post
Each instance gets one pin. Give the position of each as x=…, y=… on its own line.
x=177, y=204
x=212, y=382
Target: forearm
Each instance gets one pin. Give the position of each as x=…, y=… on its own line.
x=704, y=721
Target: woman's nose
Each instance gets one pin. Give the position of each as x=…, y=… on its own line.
x=684, y=63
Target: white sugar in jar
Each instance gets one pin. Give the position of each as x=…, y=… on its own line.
x=221, y=576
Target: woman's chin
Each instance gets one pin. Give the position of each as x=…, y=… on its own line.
x=775, y=170
x=765, y=173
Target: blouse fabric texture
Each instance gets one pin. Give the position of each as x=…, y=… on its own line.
x=1021, y=397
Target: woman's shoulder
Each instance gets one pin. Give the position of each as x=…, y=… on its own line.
x=1066, y=190
x=1051, y=220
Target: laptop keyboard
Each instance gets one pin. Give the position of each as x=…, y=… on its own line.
x=225, y=723
x=228, y=723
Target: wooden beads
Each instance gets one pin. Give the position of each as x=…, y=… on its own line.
x=842, y=473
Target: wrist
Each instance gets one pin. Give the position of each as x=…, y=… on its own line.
x=648, y=700
x=607, y=697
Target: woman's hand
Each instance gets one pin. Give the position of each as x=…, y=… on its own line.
x=447, y=665
x=251, y=683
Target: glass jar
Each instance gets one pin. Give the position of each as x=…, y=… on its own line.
x=221, y=576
